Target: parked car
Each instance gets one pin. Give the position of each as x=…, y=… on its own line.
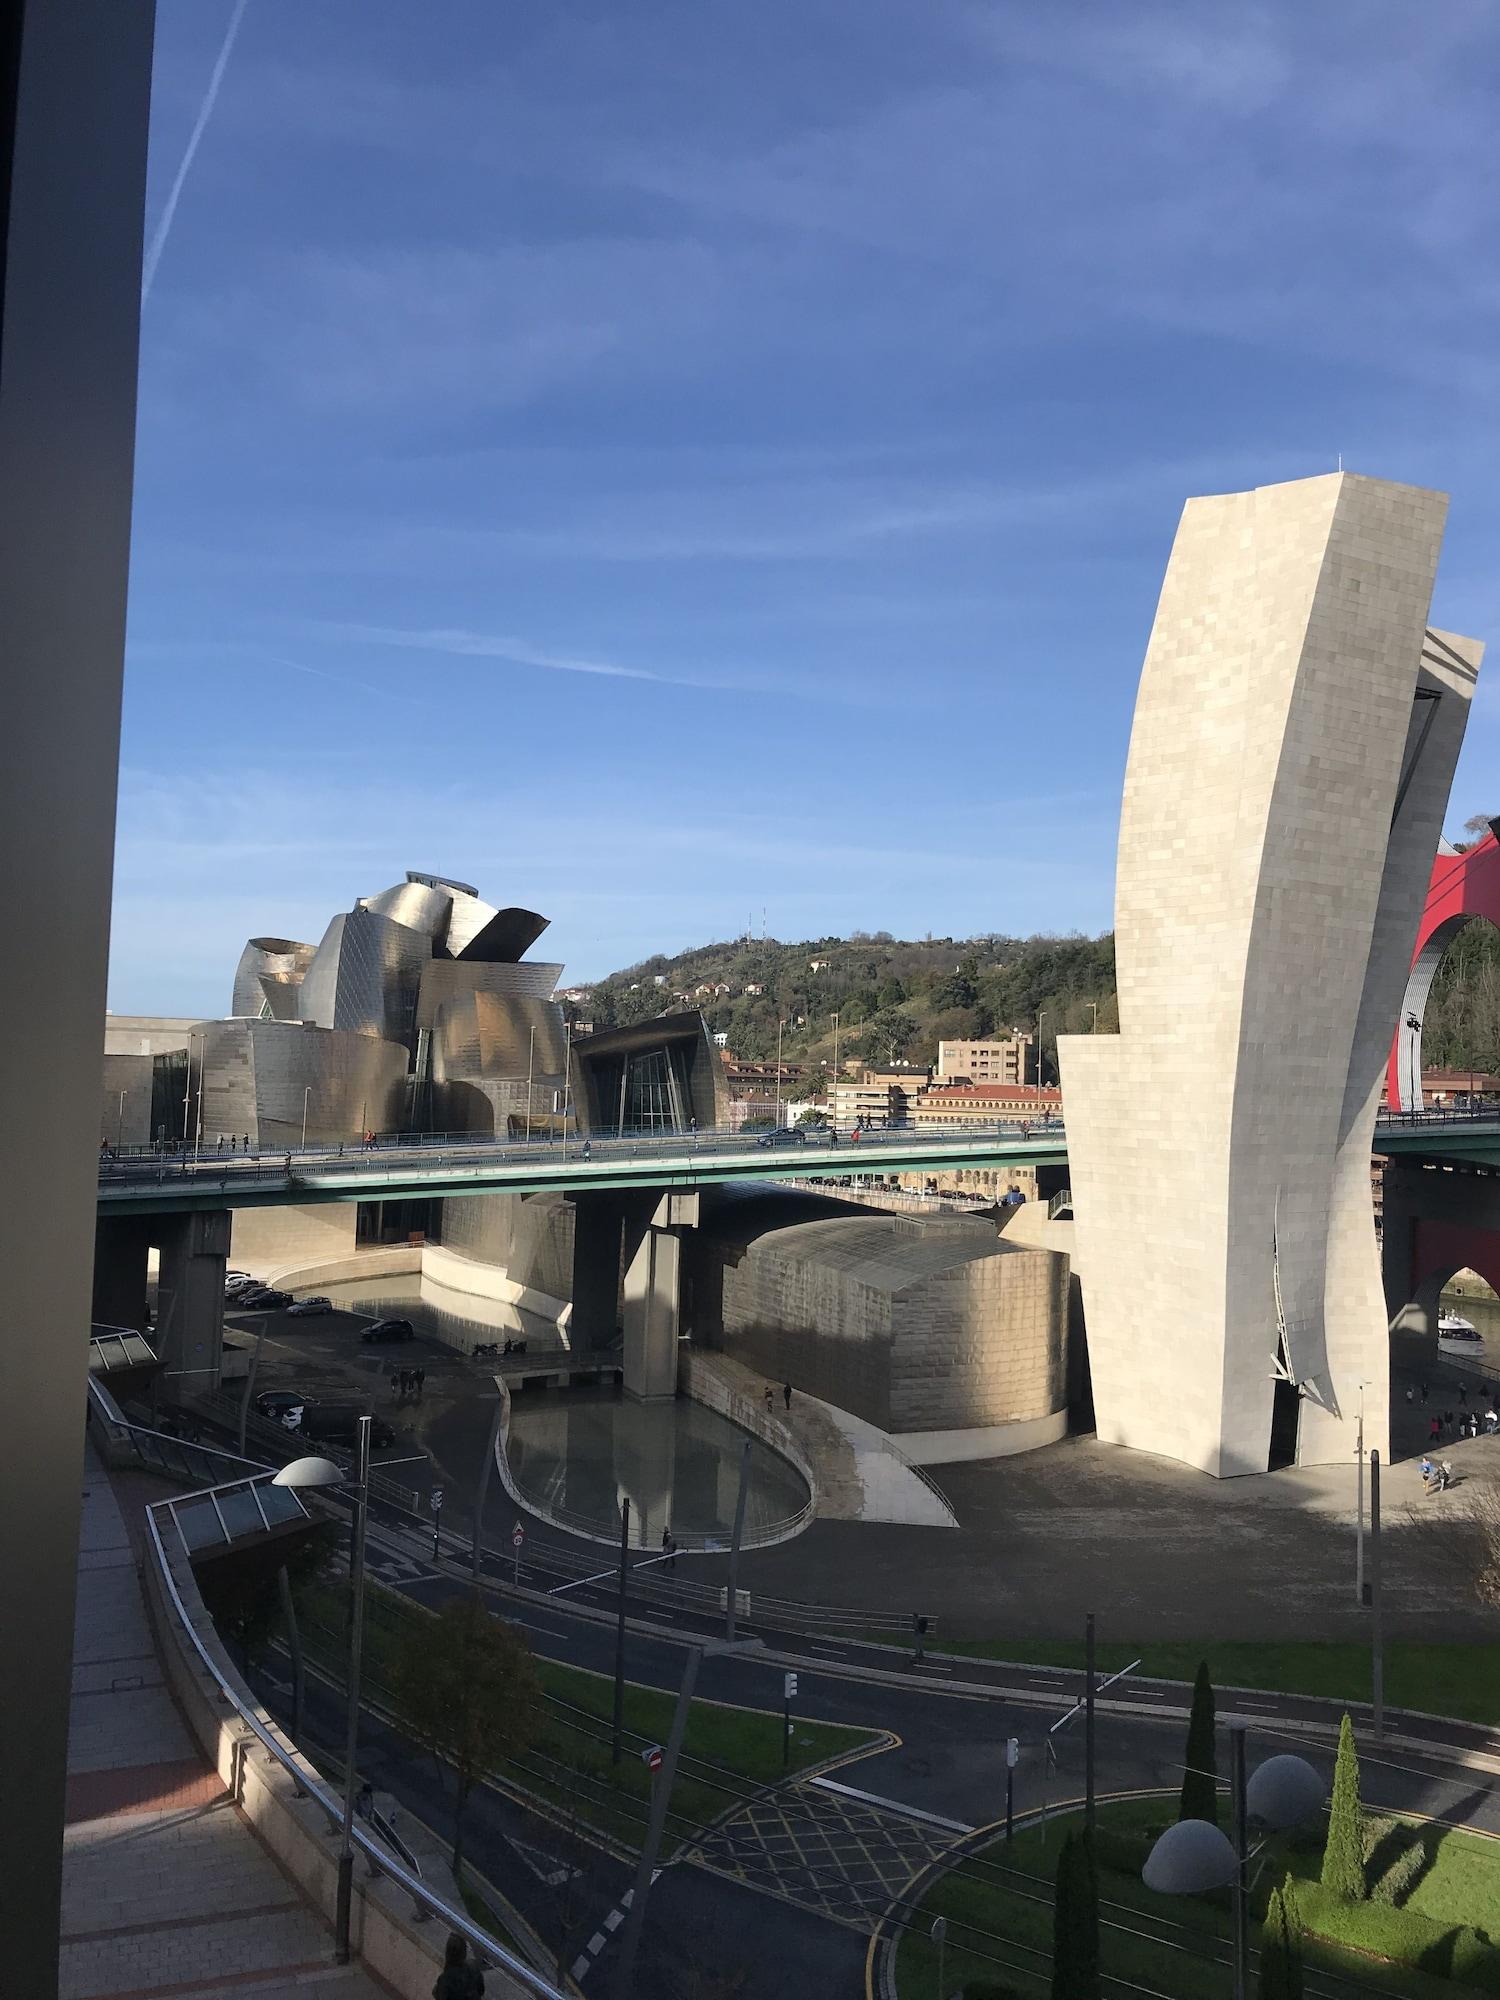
x=240, y=1281
x=282, y=1406
x=265, y=1298
x=381, y=1330
x=783, y=1135
x=309, y=1308
x=331, y=1423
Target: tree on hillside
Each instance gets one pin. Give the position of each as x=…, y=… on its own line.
x=1281, y=1946
x=888, y=1036
x=1200, y=1787
x=1344, y=1851
x=1075, y=1922
x=464, y=1686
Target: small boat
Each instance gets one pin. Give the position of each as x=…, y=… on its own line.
x=1457, y=1335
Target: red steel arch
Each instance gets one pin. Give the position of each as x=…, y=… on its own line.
x=1462, y=886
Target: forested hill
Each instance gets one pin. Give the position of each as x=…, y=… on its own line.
x=896, y=999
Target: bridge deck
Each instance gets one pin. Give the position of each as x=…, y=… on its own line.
x=490, y=1167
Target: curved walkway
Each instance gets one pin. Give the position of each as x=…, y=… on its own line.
x=165, y=1888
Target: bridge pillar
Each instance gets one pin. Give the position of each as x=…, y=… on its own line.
x=122, y=1246
x=597, y=1223
x=190, y=1298
x=653, y=1295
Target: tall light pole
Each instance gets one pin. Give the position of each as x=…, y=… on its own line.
x=834, y=1106
x=323, y=1472
x=530, y=1071
x=567, y=1085
x=187, y=1092
x=120, y=1121
x=1042, y=1013
x=779, y=1026
x=306, y=1093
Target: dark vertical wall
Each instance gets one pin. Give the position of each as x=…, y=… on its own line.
x=74, y=92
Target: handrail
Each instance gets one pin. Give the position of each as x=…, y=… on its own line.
x=380, y=1858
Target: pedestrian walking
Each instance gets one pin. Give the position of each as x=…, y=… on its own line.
x=786, y=1392
x=1425, y=1468
x=421, y=1374
x=1435, y=1431
x=770, y=1399
x=458, y=1980
x=220, y=1147
x=395, y=1383
x=1424, y=1392
x=245, y=1142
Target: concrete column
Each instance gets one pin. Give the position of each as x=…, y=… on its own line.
x=122, y=1245
x=75, y=81
x=596, y=1271
x=190, y=1299
x=653, y=1296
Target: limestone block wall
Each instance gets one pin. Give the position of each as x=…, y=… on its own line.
x=912, y=1324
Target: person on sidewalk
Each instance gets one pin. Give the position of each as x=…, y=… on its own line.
x=458, y=1980
x=770, y=1399
x=786, y=1392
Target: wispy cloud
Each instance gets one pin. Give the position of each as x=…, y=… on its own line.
x=168, y=214
x=494, y=646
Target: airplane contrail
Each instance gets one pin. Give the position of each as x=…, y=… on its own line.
x=159, y=237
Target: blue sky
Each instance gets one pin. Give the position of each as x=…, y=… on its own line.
x=675, y=461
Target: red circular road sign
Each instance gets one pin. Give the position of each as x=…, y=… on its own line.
x=652, y=1758
x=517, y=1535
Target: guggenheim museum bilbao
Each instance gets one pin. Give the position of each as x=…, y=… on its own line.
x=418, y=1012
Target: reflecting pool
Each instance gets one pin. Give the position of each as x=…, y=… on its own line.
x=576, y=1453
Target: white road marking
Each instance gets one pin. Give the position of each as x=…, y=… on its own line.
x=891, y=1805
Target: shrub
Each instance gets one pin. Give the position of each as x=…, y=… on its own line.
x=1404, y=1936
x=1200, y=1788
x=1344, y=1851
x=1281, y=1947
x=1075, y=1923
x=1396, y=1860
x=1121, y=1851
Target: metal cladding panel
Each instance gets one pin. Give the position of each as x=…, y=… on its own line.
x=493, y=1035
x=467, y=918
x=421, y=906
x=447, y=980
x=269, y=973
x=365, y=976
x=258, y=1071
x=507, y=937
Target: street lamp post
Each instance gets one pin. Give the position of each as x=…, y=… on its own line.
x=1359, y=1502
x=1042, y=1013
x=120, y=1122
x=306, y=1093
x=530, y=1071
x=779, y=1026
x=315, y=1472
x=1195, y=1855
x=187, y=1093
x=834, y=1094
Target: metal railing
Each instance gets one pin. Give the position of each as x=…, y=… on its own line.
x=219, y=1515
x=380, y=1859
x=180, y=1458
x=1063, y=1199
x=313, y=1163
x=1441, y=1114
x=222, y=1408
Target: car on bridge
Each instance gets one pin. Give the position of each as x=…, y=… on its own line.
x=382, y=1330
x=783, y=1135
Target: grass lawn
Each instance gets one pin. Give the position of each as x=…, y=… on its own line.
x=1006, y=1892
x=727, y=1752
x=1444, y=1679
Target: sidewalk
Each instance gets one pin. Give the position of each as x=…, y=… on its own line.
x=165, y=1888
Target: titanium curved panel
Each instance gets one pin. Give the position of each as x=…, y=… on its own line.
x=258, y=1071
x=497, y=1035
x=467, y=918
x=446, y=980
x=268, y=974
x=421, y=906
x=508, y=936
x=365, y=976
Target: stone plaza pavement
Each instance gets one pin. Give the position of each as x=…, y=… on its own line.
x=166, y=1889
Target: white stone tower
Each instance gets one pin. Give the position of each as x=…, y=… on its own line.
x=1295, y=735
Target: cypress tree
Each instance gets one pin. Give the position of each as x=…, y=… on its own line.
x=1200, y=1792
x=1344, y=1852
x=1281, y=1947
x=1075, y=1923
